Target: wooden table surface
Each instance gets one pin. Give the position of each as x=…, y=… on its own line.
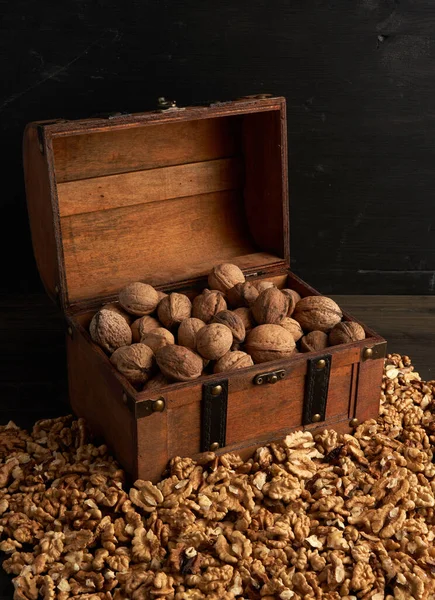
x=32, y=355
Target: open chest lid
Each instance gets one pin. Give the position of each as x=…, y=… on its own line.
x=159, y=197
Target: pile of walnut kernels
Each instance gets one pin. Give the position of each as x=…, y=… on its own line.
x=337, y=516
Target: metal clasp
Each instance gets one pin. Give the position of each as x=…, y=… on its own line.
x=270, y=377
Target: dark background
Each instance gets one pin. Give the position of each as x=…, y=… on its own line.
x=359, y=77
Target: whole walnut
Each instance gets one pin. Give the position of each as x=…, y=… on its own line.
x=161, y=295
x=156, y=383
x=315, y=340
x=213, y=341
x=233, y=360
x=135, y=362
x=157, y=338
x=263, y=285
x=139, y=298
x=225, y=276
x=293, y=298
x=317, y=313
x=179, y=363
x=269, y=342
x=346, y=332
x=245, y=314
x=173, y=309
x=293, y=327
x=110, y=330
x=208, y=304
x=142, y=326
x=270, y=307
x=187, y=332
x=233, y=322
x=242, y=294
x=116, y=307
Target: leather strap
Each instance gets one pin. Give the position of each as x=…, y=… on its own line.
x=316, y=389
x=214, y=414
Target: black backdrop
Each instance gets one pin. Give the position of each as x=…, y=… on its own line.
x=358, y=76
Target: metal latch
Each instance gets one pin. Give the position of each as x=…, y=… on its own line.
x=269, y=377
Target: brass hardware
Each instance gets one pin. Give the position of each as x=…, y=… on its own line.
x=124, y=398
x=56, y=289
x=316, y=418
x=321, y=364
x=158, y=405
x=270, y=377
x=216, y=390
x=373, y=352
x=367, y=353
x=354, y=422
x=214, y=446
x=70, y=331
x=165, y=105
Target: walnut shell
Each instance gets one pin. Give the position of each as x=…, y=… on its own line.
x=116, y=307
x=233, y=360
x=293, y=327
x=242, y=294
x=317, y=313
x=179, y=363
x=135, y=362
x=233, y=322
x=263, y=285
x=156, y=383
x=187, y=332
x=293, y=298
x=270, y=307
x=139, y=298
x=346, y=332
x=207, y=304
x=315, y=340
x=173, y=309
x=269, y=342
x=157, y=338
x=110, y=330
x=161, y=295
x=225, y=276
x=245, y=314
x=142, y=326
x=213, y=341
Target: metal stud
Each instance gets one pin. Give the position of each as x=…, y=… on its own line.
x=367, y=353
x=321, y=364
x=354, y=422
x=214, y=446
x=159, y=405
x=216, y=390
x=316, y=418
x=70, y=331
x=273, y=379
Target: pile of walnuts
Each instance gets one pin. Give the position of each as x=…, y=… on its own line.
x=155, y=338
x=325, y=517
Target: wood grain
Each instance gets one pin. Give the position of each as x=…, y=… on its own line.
x=153, y=435
x=170, y=241
x=152, y=185
x=144, y=147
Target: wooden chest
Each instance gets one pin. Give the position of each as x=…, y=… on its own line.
x=161, y=197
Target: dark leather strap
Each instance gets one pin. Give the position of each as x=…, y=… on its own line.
x=214, y=414
x=316, y=389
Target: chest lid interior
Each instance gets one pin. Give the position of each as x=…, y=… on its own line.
x=159, y=197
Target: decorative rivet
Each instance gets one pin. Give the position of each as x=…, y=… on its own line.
x=56, y=289
x=124, y=398
x=321, y=364
x=70, y=331
x=259, y=381
x=354, y=422
x=368, y=353
x=273, y=379
x=316, y=418
x=216, y=390
x=214, y=446
x=159, y=405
